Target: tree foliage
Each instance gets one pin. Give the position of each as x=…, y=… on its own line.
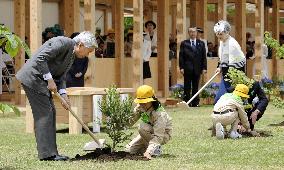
x=118, y=113
x=273, y=43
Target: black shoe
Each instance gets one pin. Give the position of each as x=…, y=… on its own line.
x=55, y=158
x=193, y=105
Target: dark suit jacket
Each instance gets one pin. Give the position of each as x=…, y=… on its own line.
x=192, y=59
x=79, y=65
x=54, y=56
x=256, y=90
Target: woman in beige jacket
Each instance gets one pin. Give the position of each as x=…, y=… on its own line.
x=155, y=128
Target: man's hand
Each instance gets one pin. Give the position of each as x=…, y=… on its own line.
x=218, y=70
x=182, y=71
x=253, y=116
x=241, y=129
x=51, y=85
x=78, y=75
x=204, y=71
x=66, y=103
x=147, y=155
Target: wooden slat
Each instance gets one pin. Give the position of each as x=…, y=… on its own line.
x=90, y=25
x=222, y=12
x=137, y=43
x=163, y=47
x=181, y=31
x=240, y=23
x=259, y=30
x=70, y=18
x=275, y=32
x=35, y=24
x=76, y=105
x=19, y=22
x=119, y=42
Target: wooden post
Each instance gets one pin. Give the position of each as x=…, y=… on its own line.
x=105, y=21
x=90, y=25
x=70, y=18
x=222, y=12
x=259, y=31
x=275, y=32
x=19, y=22
x=192, y=12
x=174, y=35
x=27, y=20
x=113, y=13
x=181, y=31
x=137, y=43
x=77, y=106
x=148, y=11
x=266, y=18
x=35, y=24
x=119, y=43
x=35, y=43
x=163, y=46
x=240, y=23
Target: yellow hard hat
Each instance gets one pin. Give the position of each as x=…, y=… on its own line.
x=144, y=94
x=241, y=90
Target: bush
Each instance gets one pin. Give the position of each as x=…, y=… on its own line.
x=177, y=91
x=118, y=113
x=210, y=91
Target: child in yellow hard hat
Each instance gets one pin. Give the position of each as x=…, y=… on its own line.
x=155, y=128
x=229, y=110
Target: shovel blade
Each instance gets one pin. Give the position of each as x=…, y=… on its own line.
x=183, y=105
x=91, y=146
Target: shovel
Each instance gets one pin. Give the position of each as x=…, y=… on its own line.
x=184, y=104
x=90, y=146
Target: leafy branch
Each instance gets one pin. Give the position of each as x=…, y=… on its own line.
x=273, y=43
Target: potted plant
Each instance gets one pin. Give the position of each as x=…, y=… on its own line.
x=177, y=95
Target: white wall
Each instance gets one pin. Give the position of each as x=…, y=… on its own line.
x=7, y=13
x=50, y=14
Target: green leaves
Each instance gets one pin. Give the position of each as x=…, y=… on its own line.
x=12, y=43
x=235, y=77
x=271, y=42
x=7, y=108
x=118, y=114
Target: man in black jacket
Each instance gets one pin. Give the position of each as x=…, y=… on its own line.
x=192, y=63
x=258, y=102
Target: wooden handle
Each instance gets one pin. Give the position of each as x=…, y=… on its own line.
x=206, y=84
x=78, y=119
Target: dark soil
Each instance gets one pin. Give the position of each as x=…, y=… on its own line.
x=106, y=155
x=262, y=133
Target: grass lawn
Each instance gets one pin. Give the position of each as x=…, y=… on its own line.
x=192, y=147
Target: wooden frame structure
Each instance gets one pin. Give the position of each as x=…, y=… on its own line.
x=28, y=20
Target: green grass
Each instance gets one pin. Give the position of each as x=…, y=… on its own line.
x=191, y=146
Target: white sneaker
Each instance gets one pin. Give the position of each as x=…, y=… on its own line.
x=220, y=131
x=235, y=135
x=157, y=151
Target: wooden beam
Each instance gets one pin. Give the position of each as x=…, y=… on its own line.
x=174, y=35
x=266, y=19
x=181, y=31
x=119, y=42
x=240, y=23
x=202, y=18
x=147, y=11
x=71, y=16
x=275, y=31
x=113, y=14
x=27, y=20
x=194, y=7
x=19, y=23
x=259, y=31
x=35, y=24
x=163, y=47
x=90, y=25
x=137, y=43
x=222, y=12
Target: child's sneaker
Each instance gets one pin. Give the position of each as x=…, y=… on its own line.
x=157, y=151
x=235, y=135
x=220, y=131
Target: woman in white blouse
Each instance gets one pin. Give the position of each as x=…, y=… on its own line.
x=230, y=55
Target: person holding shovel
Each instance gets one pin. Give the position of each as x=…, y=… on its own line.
x=156, y=126
x=44, y=73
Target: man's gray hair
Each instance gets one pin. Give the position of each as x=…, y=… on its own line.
x=222, y=26
x=87, y=38
x=192, y=29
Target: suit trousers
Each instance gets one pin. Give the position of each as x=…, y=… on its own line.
x=44, y=114
x=191, y=84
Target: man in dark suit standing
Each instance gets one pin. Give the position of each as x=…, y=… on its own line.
x=44, y=73
x=192, y=63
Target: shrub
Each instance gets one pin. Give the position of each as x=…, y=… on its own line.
x=210, y=91
x=118, y=113
x=177, y=91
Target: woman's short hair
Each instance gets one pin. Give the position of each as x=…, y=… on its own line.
x=87, y=38
x=222, y=26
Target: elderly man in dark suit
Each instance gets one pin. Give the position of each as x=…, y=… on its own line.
x=192, y=63
x=44, y=73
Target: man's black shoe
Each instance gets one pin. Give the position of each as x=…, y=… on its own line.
x=55, y=158
x=194, y=105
